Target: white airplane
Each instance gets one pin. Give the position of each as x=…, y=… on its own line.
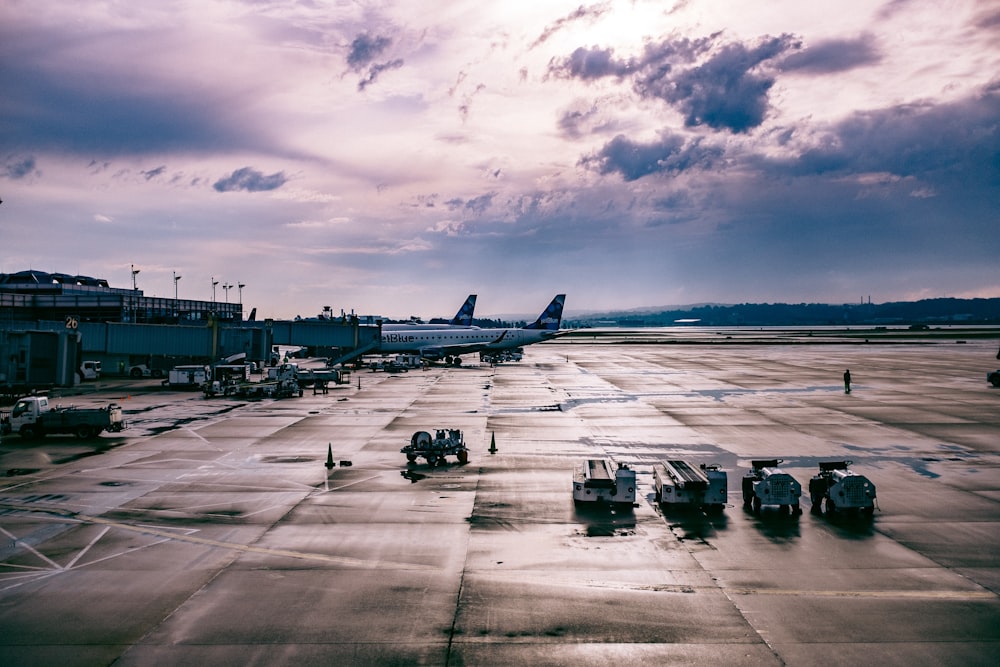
x=462, y=319
x=448, y=344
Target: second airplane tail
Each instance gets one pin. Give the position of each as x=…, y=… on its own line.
x=464, y=315
x=551, y=317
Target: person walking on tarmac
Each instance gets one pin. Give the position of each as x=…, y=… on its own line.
x=847, y=381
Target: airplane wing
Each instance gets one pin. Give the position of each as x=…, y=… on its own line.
x=435, y=352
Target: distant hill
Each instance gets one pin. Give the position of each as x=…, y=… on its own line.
x=926, y=311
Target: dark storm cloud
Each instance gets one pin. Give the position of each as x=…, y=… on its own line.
x=19, y=168
x=727, y=90
x=960, y=140
x=250, y=180
x=671, y=154
x=835, y=55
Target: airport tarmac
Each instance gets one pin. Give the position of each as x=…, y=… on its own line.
x=212, y=532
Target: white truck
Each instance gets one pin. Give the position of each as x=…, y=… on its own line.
x=678, y=483
x=598, y=481
x=33, y=417
x=767, y=484
x=188, y=376
x=90, y=370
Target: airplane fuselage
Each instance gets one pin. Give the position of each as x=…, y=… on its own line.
x=452, y=342
x=436, y=344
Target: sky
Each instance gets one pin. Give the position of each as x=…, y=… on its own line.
x=392, y=157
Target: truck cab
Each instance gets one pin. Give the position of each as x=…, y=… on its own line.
x=30, y=407
x=25, y=414
x=90, y=370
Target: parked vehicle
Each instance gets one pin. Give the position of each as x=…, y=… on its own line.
x=680, y=484
x=33, y=417
x=188, y=376
x=446, y=442
x=599, y=481
x=767, y=484
x=841, y=489
x=138, y=371
x=90, y=370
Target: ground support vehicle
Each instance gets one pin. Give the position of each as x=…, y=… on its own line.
x=33, y=417
x=409, y=361
x=680, y=484
x=139, y=371
x=767, y=484
x=277, y=389
x=599, y=481
x=993, y=378
x=90, y=370
x=501, y=356
x=309, y=377
x=388, y=365
x=446, y=442
x=188, y=376
x=282, y=388
x=841, y=489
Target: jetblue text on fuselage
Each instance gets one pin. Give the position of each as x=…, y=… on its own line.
x=398, y=338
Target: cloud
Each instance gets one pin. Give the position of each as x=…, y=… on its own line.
x=580, y=13
x=834, y=55
x=959, y=140
x=20, y=168
x=375, y=70
x=592, y=63
x=723, y=87
x=475, y=206
x=670, y=154
x=153, y=173
x=727, y=91
x=250, y=180
x=364, y=50
x=98, y=93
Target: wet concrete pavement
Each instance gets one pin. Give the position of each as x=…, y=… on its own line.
x=212, y=533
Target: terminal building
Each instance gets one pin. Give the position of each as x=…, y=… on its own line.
x=139, y=336
x=37, y=295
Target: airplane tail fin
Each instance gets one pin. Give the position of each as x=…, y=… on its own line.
x=253, y=315
x=464, y=315
x=551, y=317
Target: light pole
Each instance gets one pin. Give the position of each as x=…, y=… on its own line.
x=227, y=287
x=134, y=272
x=176, y=278
x=214, y=283
x=241, y=286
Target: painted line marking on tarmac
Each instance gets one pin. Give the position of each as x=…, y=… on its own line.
x=246, y=548
x=916, y=595
x=687, y=589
